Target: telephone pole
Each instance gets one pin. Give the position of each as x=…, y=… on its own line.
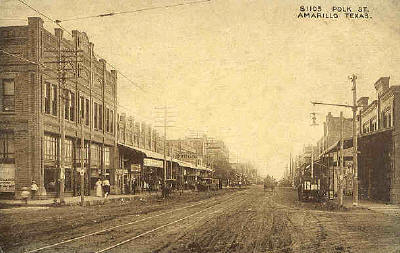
x=353, y=79
x=340, y=171
x=165, y=126
x=63, y=56
x=314, y=123
x=354, y=107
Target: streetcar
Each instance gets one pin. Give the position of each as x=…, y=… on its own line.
x=269, y=184
x=309, y=189
x=206, y=184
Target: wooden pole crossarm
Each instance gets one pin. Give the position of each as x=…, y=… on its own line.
x=341, y=105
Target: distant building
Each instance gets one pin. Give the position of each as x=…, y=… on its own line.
x=329, y=153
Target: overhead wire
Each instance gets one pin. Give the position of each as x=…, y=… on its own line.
x=133, y=11
x=57, y=22
x=45, y=67
x=29, y=61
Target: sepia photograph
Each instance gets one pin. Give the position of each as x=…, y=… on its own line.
x=162, y=126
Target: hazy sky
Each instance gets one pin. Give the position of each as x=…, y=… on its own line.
x=241, y=70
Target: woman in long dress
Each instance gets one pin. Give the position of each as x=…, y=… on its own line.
x=99, y=190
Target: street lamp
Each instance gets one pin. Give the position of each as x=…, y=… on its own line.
x=354, y=107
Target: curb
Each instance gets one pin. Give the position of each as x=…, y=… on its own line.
x=92, y=202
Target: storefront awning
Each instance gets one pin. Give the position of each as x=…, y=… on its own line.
x=147, y=153
x=347, y=143
x=158, y=156
x=184, y=164
x=204, y=168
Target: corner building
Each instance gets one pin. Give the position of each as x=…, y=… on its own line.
x=54, y=92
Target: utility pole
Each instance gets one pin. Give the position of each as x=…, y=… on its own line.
x=340, y=171
x=82, y=172
x=353, y=79
x=165, y=126
x=354, y=107
x=61, y=83
x=165, y=145
x=314, y=123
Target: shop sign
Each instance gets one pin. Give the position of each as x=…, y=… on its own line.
x=80, y=171
x=94, y=173
x=135, y=167
x=153, y=163
x=7, y=177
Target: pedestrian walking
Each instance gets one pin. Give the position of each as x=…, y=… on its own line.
x=134, y=184
x=99, y=190
x=34, y=189
x=106, y=187
x=25, y=194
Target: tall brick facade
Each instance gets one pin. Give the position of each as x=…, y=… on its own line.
x=59, y=84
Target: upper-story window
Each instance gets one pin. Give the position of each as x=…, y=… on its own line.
x=111, y=121
x=47, y=98
x=373, y=126
x=7, y=95
x=101, y=117
x=365, y=128
x=54, y=100
x=81, y=109
x=107, y=121
x=87, y=112
x=95, y=114
x=387, y=118
x=50, y=99
x=72, y=107
x=69, y=105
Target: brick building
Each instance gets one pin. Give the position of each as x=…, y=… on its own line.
x=54, y=90
x=379, y=152
x=329, y=153
x=378, y=130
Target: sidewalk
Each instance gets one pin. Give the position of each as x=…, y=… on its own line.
x=70, y=201
x=380, y=207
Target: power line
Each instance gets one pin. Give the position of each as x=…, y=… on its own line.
x=13, y=19
x=133, y=11
x=44, y=15
x=57, y=22
x=29, y=61
x=122, y=74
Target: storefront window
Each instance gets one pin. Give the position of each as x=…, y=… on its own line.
x=95, y=154
x=7, y=150
x=68, y=151
x=107, y=156
x=50, y=147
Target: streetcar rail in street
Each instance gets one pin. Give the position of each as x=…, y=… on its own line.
x=112, y=228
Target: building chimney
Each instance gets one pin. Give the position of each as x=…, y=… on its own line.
x=382, y=85
x=362, y=101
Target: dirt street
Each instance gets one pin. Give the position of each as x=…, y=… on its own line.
x=247, y=220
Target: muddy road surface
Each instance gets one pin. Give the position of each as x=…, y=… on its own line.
x=246, y=220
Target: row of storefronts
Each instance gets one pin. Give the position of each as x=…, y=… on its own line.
x=58, y=103
x=378, y=150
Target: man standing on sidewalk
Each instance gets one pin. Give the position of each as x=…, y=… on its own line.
x=106, y=185
x=34, y=189
x=134, y=184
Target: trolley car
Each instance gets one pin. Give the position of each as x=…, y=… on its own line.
x=309, y=189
